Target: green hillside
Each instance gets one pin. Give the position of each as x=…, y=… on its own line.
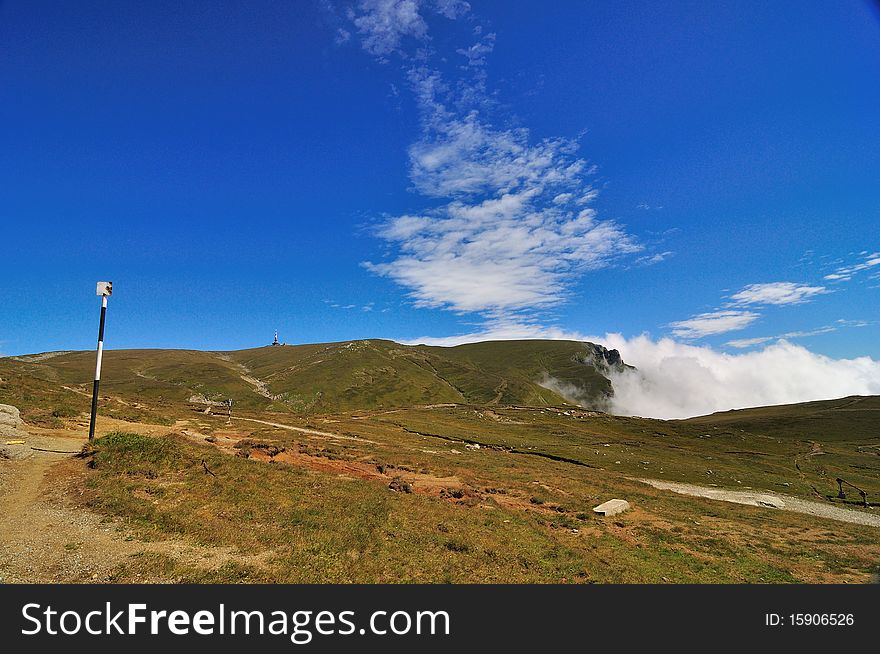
x=370, y=461
x=322, y=378
x=848, y=418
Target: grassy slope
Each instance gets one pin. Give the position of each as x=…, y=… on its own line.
x=685, y=451
x=517, y=365
x=331, y=377
x=524, y=518
x=532, y=483
x=838, y=438
x=847, y=418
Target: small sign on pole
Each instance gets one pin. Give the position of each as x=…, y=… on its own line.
x=104, y=290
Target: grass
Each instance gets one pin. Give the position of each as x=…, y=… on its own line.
x=524, y=469
x=307, y=527
x=332, y=377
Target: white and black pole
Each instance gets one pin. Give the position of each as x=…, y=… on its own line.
x=105, y=289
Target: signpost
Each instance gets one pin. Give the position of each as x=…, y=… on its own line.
x=105, y=290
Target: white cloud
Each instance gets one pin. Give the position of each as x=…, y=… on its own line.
x=853, y=323
x=846, y=273
x=735, y=316
x=651, y=259
x=716, y=322
x=384, y=24
x=499, y=330
x=476, y=54
x=461, y=155
x=515, y=228
x=677, y=380
x=674, y=380
x=452, y=9
x=743, y=343
x=777, y=293
x=500, y=254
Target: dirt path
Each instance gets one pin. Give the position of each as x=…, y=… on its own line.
x=259, y=385
x=769, y=500
x=306, y=430
x=46, y=538
x=41, y=538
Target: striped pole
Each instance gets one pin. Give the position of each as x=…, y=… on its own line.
x=100, y=355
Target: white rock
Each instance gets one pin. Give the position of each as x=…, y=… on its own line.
x=611, y=507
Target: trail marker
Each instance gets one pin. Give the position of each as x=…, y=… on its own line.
x=105, y=290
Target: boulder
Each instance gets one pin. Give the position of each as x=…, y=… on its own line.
x=10, y=416
x=400, y=485
x=10, y=421
x=15, y=452
x=611, y=507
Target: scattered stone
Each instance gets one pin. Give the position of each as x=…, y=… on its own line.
x=611, y=507
x=246, y=445
x=15, y=452
x=770, y=501
x=211, y=439
x=399, y=485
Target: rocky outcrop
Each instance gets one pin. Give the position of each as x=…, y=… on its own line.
x=10, y=416
x=603, y=359
x=10, y=423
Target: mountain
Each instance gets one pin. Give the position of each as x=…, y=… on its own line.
x=327, y=377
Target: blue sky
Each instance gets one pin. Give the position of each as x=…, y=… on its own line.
x=432, y=169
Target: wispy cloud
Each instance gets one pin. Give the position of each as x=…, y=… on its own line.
x=511, y=226
x=846, y=273
x=742, y=311
x=500, y=330
x=777, y=293
x=743, y=343
x=476, y=54
x=842, y=323
x=335, y=305
x=384, y=25
x=651, y=259
x=716, y=322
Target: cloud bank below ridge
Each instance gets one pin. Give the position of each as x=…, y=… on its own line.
x=677, y=380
